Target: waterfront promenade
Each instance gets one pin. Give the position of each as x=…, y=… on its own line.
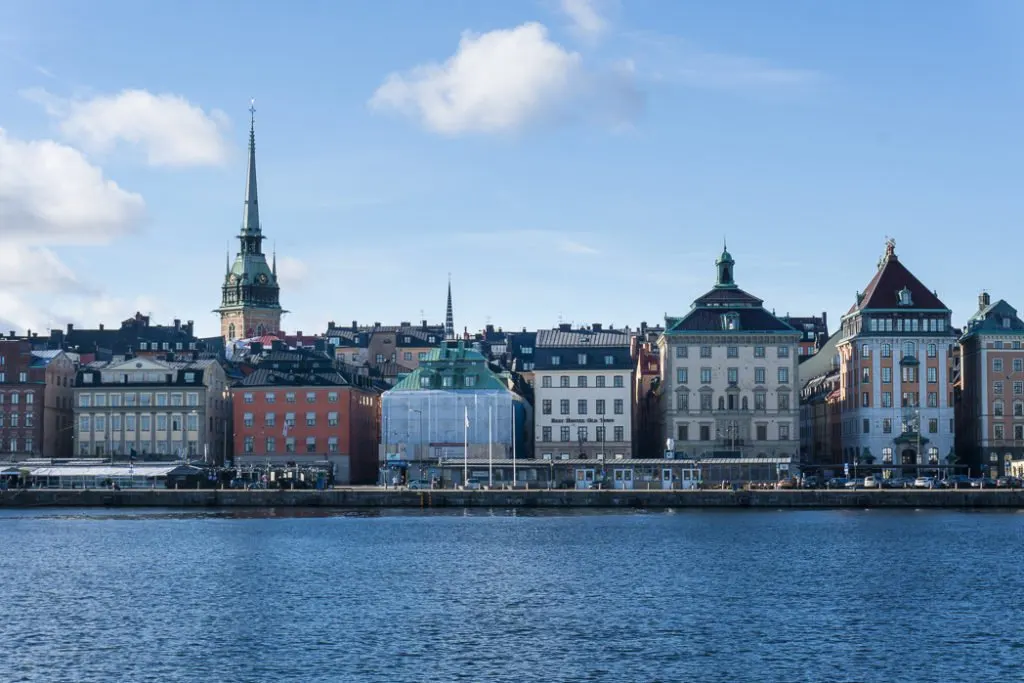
x=371, y=497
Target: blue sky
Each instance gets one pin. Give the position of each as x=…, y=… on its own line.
x=563, y=159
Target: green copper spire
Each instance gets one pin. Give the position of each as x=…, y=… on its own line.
x=725, y=266
x=251, y=213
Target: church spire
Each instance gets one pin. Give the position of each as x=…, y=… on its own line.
x=726, y=267
x=449, y=318
x=251, y=213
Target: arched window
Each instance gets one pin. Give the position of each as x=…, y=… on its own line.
x=909, y=350
x=231, y=331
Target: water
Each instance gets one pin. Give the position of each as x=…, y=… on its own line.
x=888, y=596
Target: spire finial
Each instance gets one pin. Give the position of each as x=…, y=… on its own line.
x=252, y=113
x=251, y=213
x=273, y=266
x=449, y=318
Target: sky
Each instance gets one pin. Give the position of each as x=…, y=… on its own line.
x=573, y=161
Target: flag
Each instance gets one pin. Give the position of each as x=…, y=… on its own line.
x=467, y=417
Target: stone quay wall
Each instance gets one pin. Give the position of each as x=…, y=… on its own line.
x=379, y=498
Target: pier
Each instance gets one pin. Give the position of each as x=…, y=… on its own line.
x=380, y=498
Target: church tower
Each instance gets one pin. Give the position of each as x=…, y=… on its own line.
x=250, y=305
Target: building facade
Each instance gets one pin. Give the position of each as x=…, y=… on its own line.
x=250, y=296
x=36, y=396
x=647, y=429
x=293, y=408
x=729, y=376
x=452, y=402
x=583, y=390
x=820, y=434
x=895, y=352
x=151, y=409
x=990, y=405
x=813, y=333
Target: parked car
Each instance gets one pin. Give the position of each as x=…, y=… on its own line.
x=836, y=482
x=872, y=482
x=811, y=482
x=983, y=483
x=924, y=483
x=1008, y=483
x=957, y=481
x=855, y=483
x=418, y=484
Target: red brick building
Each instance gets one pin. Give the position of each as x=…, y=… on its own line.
x=292, y=416
x=36, y=395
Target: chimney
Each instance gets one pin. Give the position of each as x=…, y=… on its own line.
x=405, y=323
x=824, y=319
x=101, y=327
x=643, y=326
x=423, y=324
x=355, y=325
x=596, y=327
x=299, y=335
x=984, y=300
x=490, y=329
x=376, y=325
x=177, y=323
x=564, y=327
x=71, y=328
x=10, y=335
x=189, y=327
x=28, y=333
x=35, y=334
x=330, y=325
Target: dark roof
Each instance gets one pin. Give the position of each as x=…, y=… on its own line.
x=722, y=296
x=562, y=338
x=892, y=277
x=991, y=318
x=266, y=378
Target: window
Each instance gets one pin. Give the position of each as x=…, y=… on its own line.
x=909, y=373
x=682, y=351
x=546, y=406
x=270, y=445
x=886, y=350
x=705, y=375
x=581, y=359
x=705, y=433
x=193, y=423
x=617, y=381
x=783, y=352
x=14, y=398
x=732, y=352
x=758, y=352
x=599, y=406
x=84, y=400
x=545, y=381
x=909, y=350
x=310, y=419
x=997, y=365
x=332, y=444
x=886, y=375
x=556, y=360
x=682, y=401
x=545, y=433
x=865, y=375
x=865, y=399
x=289, y=445
x=161, y=422
x=783, y=375
x=177, y=400
x=1018, y=364
x=425, y=380
x=1018, y=409
x=682, y=432
x=1018, y=432
x=760, y=400
x=997, y=408
x=161, y=400
x=887, y=425
x=289, y=397
x=887, y=399
x=783, y=432
x=289, y=419
x=997, y=387
x=310, y=397
x=581, y=434
x=705, y=401
x=563, y=381
x=933, y=426
x=759, y=375
x=933, y=375
x=783, y=399
x=933, y=399
x=311, y=444
x=609, y=360
x=470, y=380
x=581, y=406
x=332, y=419
x=563, y=406
x=581, y=381
x=248, y=444
x=682, y=375
x=22, y=377
x=191, y=399
x=129, y=423
x=620, y=433
x=865, y=351
x=932, y=351
x=762, y=432
x=145, y=423
x=705, y=352
x=599, y=381
x=618, y=406
x=563, y=434
x=997, y=431
x=247, y=419
x=246, y=397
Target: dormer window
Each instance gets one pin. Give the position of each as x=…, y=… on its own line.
x=1006, y=323
x=730, y=321
x=905, y=298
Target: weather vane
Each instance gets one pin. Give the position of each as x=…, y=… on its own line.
x=252, y=108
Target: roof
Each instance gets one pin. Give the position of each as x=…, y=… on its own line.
x=890, y=281
x=454, y=361
x=997, y=318
x=582, y=338
x=262, y=377
x=113, y=470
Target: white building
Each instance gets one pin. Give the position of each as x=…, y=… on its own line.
x=896, y=352
x=156, y=408
x=729, y=377
x=583, y=384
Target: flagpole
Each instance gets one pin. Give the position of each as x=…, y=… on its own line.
x=465, y=454
x=514, y=480
x=490, y=448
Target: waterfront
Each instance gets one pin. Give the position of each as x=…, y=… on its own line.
x=494, y=595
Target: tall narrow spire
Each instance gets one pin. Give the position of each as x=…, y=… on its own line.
x=251, y=213
x=449, y=318
x=273, y=263
x=227, y=259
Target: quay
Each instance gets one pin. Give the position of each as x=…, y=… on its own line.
x=370, y=497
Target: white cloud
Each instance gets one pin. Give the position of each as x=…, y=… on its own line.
x=168, y=128
x=52, y=196
x=50, y=193
x=587, y=22
x=291, y=272
x=496, y=81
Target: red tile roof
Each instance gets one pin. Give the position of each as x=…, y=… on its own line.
x=883, y=292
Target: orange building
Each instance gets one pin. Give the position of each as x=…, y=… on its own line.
x=290, y=416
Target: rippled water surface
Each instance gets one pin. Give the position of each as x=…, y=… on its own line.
x=494, y=596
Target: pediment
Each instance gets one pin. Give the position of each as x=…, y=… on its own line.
x=139, y=365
